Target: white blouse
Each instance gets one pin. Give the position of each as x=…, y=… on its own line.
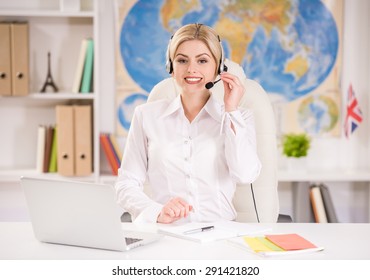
x=201, y=161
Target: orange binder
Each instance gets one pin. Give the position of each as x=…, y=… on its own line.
x=83, y=140
x=116, y=148
x=107, y=148
x=65, y=139
x=5, y=61
x=19, y=58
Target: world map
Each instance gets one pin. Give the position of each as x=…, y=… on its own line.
x=317, y=114
x=288, y=46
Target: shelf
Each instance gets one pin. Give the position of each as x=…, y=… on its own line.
x=107, y=179
x=61, y=96
x=15, y=175
x=324, y=176
x=283, y=176
x=45, y=13
x=52, y=96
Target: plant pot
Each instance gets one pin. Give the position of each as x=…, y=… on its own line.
x=297, y=163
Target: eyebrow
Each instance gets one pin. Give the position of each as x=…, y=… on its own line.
x=195, y=56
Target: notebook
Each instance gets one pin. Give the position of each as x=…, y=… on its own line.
x=213, y=231
x=79, y=214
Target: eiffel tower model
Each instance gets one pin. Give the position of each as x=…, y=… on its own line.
x=49, y=79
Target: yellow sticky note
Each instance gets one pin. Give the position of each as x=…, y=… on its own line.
x=256, y=245
x=261, y=244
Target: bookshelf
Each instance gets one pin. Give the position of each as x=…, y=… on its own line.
x=61, y=33
x=301, y=180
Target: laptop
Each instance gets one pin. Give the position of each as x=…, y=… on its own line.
x=79, y=214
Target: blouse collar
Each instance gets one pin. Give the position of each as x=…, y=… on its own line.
x=212, y=107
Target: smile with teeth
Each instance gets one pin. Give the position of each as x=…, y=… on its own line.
x=193, y=80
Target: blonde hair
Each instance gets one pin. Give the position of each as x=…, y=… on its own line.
x=196, y=31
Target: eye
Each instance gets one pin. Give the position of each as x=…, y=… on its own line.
x=202, y=60
x=181, y=60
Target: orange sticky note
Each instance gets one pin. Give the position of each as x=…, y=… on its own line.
x=290, y=241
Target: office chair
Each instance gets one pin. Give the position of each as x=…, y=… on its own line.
x=258, y=202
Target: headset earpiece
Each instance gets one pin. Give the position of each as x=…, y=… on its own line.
x=222, y=67
x=169, y=66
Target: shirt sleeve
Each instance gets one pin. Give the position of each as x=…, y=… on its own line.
x=132, y=175
x=240, y=146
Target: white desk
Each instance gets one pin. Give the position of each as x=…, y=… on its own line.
x=341, y=241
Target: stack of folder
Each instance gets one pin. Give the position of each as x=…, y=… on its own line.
x=14, y=59
x=46, y=149
x=83, y=82
x=322, y=204
x=74, y=140
x=112, y=151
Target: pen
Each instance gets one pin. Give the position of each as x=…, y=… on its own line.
x=199, y=230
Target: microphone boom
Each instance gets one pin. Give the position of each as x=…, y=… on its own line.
x=211, y=84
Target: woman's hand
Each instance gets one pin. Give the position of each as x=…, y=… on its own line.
x=173, y=210
x=234, y=91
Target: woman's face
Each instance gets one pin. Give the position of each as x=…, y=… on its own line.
x=193, y=66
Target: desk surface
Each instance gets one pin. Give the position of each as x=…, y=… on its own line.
x=341, y=241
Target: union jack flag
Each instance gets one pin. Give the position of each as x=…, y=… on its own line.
x=354, y=114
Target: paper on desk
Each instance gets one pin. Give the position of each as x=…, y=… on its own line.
x=261, y=244
x=276, y=244
x=222, y=230
x=290, y=241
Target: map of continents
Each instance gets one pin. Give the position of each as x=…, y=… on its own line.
x=288, y=46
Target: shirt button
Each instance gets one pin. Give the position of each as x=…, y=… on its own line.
x=186, y=141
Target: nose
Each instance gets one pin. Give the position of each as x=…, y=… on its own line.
x=192, y=67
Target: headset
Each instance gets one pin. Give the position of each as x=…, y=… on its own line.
x=169, y=66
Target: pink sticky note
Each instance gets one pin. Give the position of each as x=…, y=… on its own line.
x=290, y=241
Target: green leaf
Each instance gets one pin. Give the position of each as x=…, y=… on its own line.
x=296, y=145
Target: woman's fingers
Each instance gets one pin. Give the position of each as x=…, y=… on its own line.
x=174, y=209
x=178, y=207
x=234, y=91
x=187, y=208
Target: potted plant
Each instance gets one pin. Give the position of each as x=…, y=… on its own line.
x=295, y=148
x=296, y=145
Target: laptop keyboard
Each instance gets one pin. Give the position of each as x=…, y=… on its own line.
x=130, y=240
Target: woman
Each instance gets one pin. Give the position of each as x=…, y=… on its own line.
x=192, y=150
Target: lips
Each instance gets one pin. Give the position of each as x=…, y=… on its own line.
x=193, y=80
